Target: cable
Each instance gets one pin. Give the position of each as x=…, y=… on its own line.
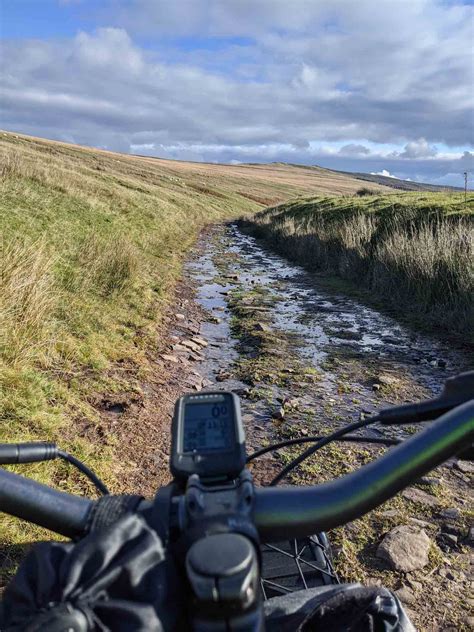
x=85, y=470
x=322, y=442
x=299, y=440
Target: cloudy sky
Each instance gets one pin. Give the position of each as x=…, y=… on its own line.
x=359, y=85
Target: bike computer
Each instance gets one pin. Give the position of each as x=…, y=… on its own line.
x=207, y=436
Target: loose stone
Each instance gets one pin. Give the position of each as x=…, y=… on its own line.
x=405, y=548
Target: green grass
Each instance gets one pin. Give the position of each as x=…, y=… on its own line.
x=413, y=251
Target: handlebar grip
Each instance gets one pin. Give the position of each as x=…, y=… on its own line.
x=60, y=512
x=289, y=512
x=11, y=453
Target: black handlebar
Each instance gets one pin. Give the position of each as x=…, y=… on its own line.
x=284, y=512
x=44, y=506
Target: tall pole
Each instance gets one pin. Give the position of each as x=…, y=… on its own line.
x=465, y=186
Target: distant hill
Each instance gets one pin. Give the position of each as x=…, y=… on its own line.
x=395, y=183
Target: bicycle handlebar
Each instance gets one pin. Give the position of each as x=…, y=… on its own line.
x=284, y=512
x=57, y=511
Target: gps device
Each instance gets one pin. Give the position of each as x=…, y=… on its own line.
x=207, y=436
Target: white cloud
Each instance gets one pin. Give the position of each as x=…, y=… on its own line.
x=330, y=82
x=384, y=172
x=418, y=149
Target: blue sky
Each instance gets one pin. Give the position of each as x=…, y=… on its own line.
x=374, y=85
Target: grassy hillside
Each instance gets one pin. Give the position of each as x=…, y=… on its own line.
x=92, y=245
x=414, y=251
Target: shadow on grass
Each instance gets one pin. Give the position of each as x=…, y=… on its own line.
x=11, y=556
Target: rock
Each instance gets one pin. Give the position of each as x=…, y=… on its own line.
x=450, y=528
x=196, y=356
x=420, y=523
x=189, y=344
x=405, y=594
x=262, y=327
x=467, y=467
x=180, y=316
x=415, y=585
x=169, y=358
x=391, y=340
x=419, y=496
x=199, y=341
x=447, y=541
x=438, y=363
x=279, y=413
x=390, y=514
x=429, y=480
x=179, y=347
x=470, y=536
x=222, y=376
x=405, y=548
x=450, y=514
x=290, y=403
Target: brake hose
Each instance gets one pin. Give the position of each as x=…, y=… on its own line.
x=321, y=443
x=299, y=440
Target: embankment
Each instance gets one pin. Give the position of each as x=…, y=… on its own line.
x=413, y=252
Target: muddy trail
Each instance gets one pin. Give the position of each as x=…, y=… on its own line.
x=305, y=361
x=352, y=360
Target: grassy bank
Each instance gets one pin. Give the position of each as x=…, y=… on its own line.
x=414, y=252
x=92, y=244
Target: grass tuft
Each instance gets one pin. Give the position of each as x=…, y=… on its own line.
x=28, y=297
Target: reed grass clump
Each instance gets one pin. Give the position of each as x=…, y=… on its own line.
x=28, y=299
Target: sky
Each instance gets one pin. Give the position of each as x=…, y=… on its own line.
x=375, y=86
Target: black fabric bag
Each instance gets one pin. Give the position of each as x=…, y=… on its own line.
x=341, y=608
x=115, y=579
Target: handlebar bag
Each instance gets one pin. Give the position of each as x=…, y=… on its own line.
x=341, y=608
x=113, y=579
